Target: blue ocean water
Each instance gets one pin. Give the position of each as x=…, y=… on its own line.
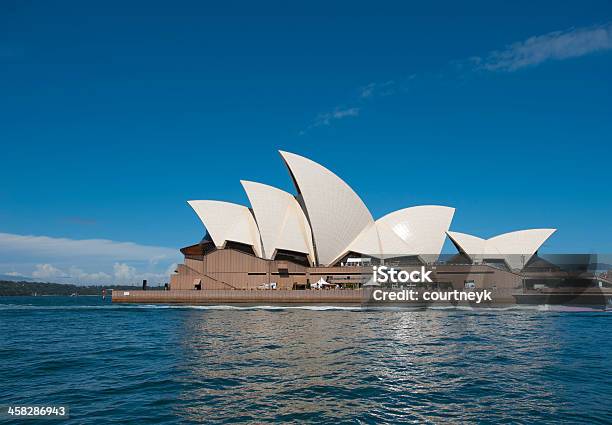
x=169, y=364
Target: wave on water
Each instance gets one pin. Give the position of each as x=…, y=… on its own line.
x=221, y=307
x=170, y=306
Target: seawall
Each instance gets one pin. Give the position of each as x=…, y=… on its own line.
x=240, y=297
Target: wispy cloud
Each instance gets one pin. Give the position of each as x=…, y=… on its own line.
x=327, y=118
x=377, y=89
x=556, y=45
x=39, y=246
x=336, y=114
x=364, y=94
x=84, y=260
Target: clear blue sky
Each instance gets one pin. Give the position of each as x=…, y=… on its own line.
x=114, y=114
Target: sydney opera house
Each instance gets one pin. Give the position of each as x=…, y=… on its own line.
x=325, y=235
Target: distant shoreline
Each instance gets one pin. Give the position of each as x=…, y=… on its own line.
x=51, y=295
x=28, y=289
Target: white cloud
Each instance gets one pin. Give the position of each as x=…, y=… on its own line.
x=80, y=276
x=171, y=269
x=123, y=273
x=556, y=45
x=68, y=248
x=46, y=271
x=86, y=261
x=157, y=258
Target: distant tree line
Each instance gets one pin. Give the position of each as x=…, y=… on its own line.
x=9, y=288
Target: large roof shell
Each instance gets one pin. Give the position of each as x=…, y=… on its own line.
x=226, y=221
x=336, y=213
x=419, y=230
x=516, y=248
x=281, y=221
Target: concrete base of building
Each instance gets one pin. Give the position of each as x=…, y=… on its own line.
x=253, y=297
x=347, y=297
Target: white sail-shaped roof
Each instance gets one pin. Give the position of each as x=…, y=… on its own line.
x=281, y=221
x=422, y=229
x=467, y=244
x=367, y=243
x=335, y=212
x=516, y=248
x=228, y=222
x=411, y=231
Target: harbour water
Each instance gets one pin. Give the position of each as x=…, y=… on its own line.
x=180, y=364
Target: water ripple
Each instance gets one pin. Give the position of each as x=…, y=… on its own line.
x=220, y=364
